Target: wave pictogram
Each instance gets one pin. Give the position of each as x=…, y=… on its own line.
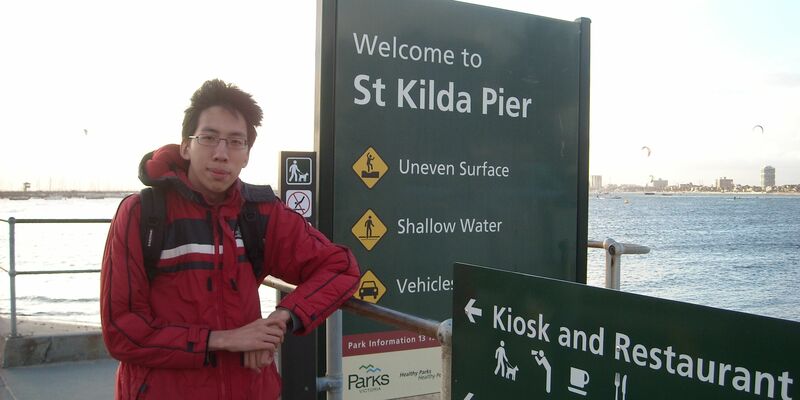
x=370, y=368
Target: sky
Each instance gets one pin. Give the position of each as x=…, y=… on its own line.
x=90, y=86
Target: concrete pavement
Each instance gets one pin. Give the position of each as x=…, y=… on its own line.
x=79, y=380
x=42, y=342
x=27, y=370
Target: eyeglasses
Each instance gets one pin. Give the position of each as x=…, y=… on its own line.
x=234, y=143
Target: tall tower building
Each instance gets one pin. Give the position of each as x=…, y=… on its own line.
x=596, y=183
x=767, y=177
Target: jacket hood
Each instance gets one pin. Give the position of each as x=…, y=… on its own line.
x=166, y=168
x=162, y=166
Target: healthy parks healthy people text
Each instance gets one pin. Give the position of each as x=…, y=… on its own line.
x=194, y=328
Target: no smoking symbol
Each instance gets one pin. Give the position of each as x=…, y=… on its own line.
x=299, y=201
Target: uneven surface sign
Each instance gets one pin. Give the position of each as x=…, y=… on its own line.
x=521, y=336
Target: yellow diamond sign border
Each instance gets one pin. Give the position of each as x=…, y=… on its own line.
x=369, y=233
x=364, y=167
x=369, y=286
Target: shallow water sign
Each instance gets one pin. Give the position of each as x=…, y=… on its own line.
x=523, y=336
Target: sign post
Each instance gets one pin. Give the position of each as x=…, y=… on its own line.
x=523, y=336
x=447, y=132
x=299, y=354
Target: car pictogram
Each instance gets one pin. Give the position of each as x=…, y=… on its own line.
x=368, y=288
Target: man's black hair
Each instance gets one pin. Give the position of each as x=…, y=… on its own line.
x=216, y=92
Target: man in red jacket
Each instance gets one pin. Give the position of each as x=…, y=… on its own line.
x=194, y=329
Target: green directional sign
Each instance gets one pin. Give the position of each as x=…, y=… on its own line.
x=448, y=132
x=521, y=336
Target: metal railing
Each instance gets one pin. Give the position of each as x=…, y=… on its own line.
x=12, y=259
x=614, y=251
x=441, y=331
x=332, y=382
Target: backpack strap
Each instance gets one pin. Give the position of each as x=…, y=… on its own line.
x=253, y=224
x=253, y=235
x=151, y=227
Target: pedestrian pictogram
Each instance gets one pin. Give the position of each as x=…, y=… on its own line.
x=370, y=168
x=370, y=288
x=369, y=230
x=299, y=171
x=299, y=201
x=504, y=369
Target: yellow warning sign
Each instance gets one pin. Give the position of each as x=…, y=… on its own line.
x=369, y=230
x=370, y=288
x=370, y=168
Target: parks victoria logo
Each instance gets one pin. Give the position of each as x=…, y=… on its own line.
x=368, y=379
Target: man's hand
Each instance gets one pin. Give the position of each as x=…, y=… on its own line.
x=257, y=359
x=261, y=334
x=280, y=318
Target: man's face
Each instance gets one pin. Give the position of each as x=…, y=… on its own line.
x=213, y=169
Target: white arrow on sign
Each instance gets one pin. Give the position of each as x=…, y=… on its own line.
x=472, y=311
x=469, y=396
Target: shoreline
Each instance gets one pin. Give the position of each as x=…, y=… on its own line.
x=62, y=194
x=100, y=194
x=40, y=327
x=729, y=194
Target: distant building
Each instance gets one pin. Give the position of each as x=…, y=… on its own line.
x=724, y=184
x=767, y=177
x=660, y=184
x=596, y=182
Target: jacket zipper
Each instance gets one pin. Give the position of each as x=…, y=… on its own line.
x=143, y=387
x=140, y=392
x=217, y=274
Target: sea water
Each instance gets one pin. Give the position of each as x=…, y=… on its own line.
x=723, y=250
x=732, y=251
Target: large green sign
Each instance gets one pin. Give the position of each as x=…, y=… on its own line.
x=448, y=132
x=521, y=336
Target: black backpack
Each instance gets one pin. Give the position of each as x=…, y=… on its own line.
x=252, y=225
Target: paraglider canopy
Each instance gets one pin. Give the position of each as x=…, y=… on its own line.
x=647, y=150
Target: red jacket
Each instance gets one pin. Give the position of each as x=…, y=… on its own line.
x=159, y=329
